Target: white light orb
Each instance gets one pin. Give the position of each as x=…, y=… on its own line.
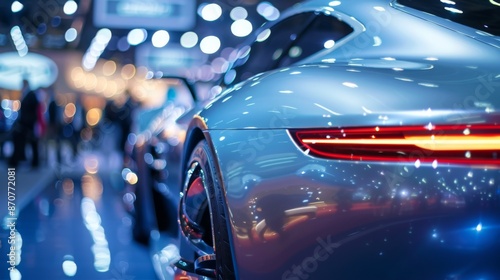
x=189, y=39
x=210, y=44
x=241, y=28
x=160, y=38
x=137, y=36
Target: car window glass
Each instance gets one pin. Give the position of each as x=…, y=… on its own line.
x=265, y=52
x=480, y=14
x=322, y=34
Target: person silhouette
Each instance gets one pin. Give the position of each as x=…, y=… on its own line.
x=24, y=128
x=54, y=124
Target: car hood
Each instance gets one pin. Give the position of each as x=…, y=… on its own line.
x=359, y=92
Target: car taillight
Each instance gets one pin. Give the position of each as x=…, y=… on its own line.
x=460, y=144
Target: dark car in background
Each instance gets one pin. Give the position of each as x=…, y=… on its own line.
x=152, y=160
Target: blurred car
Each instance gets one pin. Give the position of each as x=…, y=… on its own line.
x=356, y=140
x=152, y=160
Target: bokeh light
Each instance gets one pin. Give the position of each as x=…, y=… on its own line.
x=210, y=44
x=70, y=35
x=160, y=38
x=70, y=7
x=189, y=39
x=137, y=36
x=238, y=13
x=210, y=12
x=241, y=28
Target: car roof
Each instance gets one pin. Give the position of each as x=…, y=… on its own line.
x=370, y=12
x=405, y=32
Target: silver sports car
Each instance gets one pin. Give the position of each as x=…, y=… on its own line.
x=355, y=140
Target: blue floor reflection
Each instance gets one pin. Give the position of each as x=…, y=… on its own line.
x=76, y=229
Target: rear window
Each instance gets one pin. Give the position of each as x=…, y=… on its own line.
x=479, y=14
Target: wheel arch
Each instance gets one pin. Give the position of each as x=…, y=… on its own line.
x=194, y=134
x=198, y=131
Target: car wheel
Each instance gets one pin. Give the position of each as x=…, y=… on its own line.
x=204, y=216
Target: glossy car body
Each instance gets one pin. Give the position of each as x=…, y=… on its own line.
x=375, y=157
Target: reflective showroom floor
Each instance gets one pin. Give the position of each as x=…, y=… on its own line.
x=71, y=223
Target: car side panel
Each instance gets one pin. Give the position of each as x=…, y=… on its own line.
x=298, y=217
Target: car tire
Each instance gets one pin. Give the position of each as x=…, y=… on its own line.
x=224, y=262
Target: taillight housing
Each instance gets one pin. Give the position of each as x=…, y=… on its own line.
x=458, y=144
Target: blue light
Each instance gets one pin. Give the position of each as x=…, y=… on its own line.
x=479, y=227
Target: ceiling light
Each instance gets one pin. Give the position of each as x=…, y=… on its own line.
x=137, y=36
x=211, y=12
x=96, y=48
x=189, y=39
x=238, y=13
x=16, y=6
x=70, y=35
x=210, y=44
x=262, y=7
x=19, y=42
x=70, y=7
x=160, y=38
x=241, y=28
x=268, y=11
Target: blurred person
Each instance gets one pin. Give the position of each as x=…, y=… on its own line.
x=78, y=126
x=41, y=121
x=118, y=115
x=109, y=125
x=73, y=126
x=54, y=124
x=23, y=130
x=125, y=119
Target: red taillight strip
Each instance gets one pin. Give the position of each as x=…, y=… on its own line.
x=463, y=144
x=436, y=143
